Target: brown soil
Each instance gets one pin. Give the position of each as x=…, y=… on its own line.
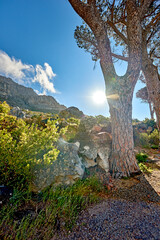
x=143, y=187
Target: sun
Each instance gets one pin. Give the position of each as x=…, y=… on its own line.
x=99, y=97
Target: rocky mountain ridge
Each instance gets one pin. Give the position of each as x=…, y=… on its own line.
x=25, y=98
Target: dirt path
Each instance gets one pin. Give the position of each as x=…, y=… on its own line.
x=154, y=178
x=131, y=212
x=117, y=220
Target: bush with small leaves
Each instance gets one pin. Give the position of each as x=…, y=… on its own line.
x=141, y=157
x=22, y=147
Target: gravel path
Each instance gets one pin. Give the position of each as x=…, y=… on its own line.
x=117, y=220
x=132, y=212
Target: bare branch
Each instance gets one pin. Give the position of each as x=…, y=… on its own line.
x=154, y=31
x=112, y=25
x=155, y=56
x=112, y=10
x=144, y=7
x=153, y=22
x=150, y=14
x=151, y=52
x=120, y=57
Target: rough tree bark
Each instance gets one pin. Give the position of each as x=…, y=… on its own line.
x=119, y=90
x=151, y=108
x=122, y=162
x=152, y=80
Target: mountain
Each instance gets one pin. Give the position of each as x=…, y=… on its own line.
x=17, y=95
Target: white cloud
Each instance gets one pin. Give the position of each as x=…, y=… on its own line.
x=20, y=72
x=10, y=67
x=49, y=71
x=43, y=75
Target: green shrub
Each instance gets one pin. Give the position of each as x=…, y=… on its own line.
x=102, y=120
x=150, y=122
x=4, y=108
x=144, y=139
x=22, y=147
x=148, y=138
x=71, y=129
x=154, y=146
x=154, y=137
x=141, y=157
x=144, y=168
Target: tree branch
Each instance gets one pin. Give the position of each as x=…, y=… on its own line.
x=153, y=22
x=144, y=7
x=112, y=25
x=80, y=7
x=90, y=2
x=150, y=14
x=151, y=35
x=151, y=52
x=112, y=10
x=120, y=57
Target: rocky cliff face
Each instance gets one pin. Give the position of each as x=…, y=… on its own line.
x=25, y=98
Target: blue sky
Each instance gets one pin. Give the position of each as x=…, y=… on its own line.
x=38, y=32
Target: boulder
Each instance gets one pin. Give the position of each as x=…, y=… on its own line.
x=88, y=153
x=71, y=112
x=65, y=170
x=95, y=145
x=16, y=111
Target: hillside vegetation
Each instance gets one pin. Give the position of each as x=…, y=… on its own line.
x=29, y=143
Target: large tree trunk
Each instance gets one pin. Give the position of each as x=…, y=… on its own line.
x=151, y=109
x=122, y=160
x=152, y=80
x=153, y=86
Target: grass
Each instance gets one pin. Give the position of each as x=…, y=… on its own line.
x=145, y=168
x=41, y=215
x=141, y=157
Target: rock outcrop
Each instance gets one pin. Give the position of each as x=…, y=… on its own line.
x=25, y=98
x=95, y=144
x=88, y=154
x=16, y=111
x=65, y=170
x=71, y=112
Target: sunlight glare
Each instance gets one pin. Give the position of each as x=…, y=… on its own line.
x=99, y=97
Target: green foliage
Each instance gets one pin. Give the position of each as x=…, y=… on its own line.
x=35, y=119
x=150, y=122
x=147, y=140
x=141, y=157
x=154, y=146
x=54, y=208
x=144, y=139
x=22, y=147
x=68, y=127
x=154, y=138
x=135, y=121
x=145, y=133
x=144, y=168
x=4, y=108
x=102, y=120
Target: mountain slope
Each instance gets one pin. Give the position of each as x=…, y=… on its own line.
x=17, y=95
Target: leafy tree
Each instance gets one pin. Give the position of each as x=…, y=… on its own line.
x=143, y=95
x=151, y=56
x=94, y=38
